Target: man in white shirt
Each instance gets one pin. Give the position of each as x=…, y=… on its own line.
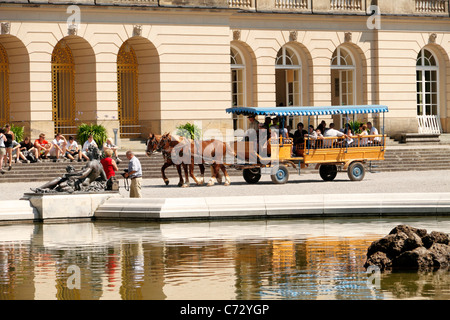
x=373, y=132
x=135, y=174
x=58, y=146
x=72, y=150
x=332, y=132
x=90, y=141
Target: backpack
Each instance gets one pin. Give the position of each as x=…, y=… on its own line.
x=112, y=184
x=30, y=156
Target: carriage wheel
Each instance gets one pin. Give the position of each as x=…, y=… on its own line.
x=328, y=172
x=252, y=176
x=356, y=171
x=281, y=176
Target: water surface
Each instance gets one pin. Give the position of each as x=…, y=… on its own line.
x=271, y=259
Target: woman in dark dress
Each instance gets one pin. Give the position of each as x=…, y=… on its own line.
x=9, y=135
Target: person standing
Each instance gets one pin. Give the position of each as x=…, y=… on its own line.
x=8, y=144
x=2, y=149
x=109, y=165
x=135, y=174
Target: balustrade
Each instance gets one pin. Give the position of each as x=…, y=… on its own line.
x=240, y=3
x=348, y=5
x=291, y=4
x=358, y=7
x=431, y=6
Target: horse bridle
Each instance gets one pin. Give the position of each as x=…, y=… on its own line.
x=153, y=142
x=162, y=146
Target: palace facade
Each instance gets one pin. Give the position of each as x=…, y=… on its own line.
x=143, y=66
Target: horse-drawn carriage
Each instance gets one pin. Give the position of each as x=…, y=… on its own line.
x=328, y=154
x=271, y=152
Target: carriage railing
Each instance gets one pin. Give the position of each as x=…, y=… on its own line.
x=336, y=142
x=342, y=142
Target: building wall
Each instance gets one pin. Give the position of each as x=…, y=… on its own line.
x=184, y=62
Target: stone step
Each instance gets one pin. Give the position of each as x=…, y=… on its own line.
x=395, y=160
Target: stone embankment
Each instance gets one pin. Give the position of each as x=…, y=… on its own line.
x=408, y=248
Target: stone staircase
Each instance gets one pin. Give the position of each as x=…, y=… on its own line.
x=420, y=158
x=397, y=158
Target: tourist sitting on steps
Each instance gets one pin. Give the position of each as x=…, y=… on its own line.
x=109, y=145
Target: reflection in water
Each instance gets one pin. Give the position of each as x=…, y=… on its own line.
x=273, y=259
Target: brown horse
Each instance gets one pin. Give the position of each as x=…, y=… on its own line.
x=198, y=152
x=153, y=145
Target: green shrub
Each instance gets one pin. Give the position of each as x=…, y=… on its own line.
x=354, y=126
x=18, y=132
x=189, y=130
x=98, y=132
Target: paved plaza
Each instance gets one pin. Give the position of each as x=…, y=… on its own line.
x=308, y=183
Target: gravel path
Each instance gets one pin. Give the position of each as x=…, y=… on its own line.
x=382, y=182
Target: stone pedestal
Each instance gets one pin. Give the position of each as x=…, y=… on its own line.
x=15, y=210
x=68, y=205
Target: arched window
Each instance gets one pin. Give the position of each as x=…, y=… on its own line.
x=288, y=74
x=342, y=76
x=63, y=89
x=4, y=87
x=237, y=78
x=127, y=91
x=288, y=78
x=238, y=89
x=427, y=84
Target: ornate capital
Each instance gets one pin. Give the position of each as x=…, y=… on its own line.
x=348, y=37
x=5, y=28
x=293, y=35
x=137, y=31
x=237, y=35
x=72, y=30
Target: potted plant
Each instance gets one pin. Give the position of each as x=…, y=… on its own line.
x=98, y=132
x=190, y=131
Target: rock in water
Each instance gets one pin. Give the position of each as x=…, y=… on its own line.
x=406, y=247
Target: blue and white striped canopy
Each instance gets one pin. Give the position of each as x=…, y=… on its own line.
x=308, y=111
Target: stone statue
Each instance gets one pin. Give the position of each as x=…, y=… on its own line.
x=91, y=178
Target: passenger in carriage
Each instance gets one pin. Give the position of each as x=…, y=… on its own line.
x=363, y=141
x=282, y=129
x=264, y=134
x=322, y=127
x=312, y=137
x=266, y=125
x=332, y=132
x=373, y=132
x=319, y=134
x=319, y=143
x=253, y=130
x=348, y=141
x=299, y=134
